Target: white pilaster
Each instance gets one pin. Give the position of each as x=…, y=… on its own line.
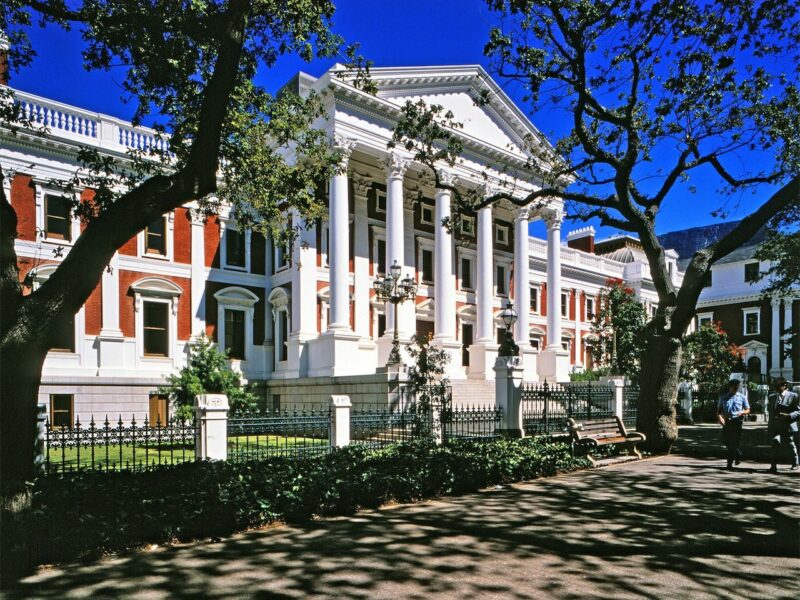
x=110, y=299
x=303, y=315
x=787, y=370
x=775, y=341
x=339, y=241
x=578, y=343
x=198, y=273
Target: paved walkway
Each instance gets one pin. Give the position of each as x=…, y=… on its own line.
x=671, y=527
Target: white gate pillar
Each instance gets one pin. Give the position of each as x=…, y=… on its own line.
x=340, y=420
x=211, y=422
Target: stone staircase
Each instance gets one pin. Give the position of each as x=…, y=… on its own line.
x=468, y=392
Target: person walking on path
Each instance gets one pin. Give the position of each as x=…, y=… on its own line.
x=783, y=428
x=732, y=406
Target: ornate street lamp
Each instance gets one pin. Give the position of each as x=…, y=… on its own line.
x=395, y=290
x=509, y=317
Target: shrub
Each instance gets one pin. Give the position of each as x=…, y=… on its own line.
x=88, y=513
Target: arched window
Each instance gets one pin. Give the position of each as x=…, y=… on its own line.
x=235, y=321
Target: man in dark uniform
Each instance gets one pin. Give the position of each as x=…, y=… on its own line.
x=732, y=406
x=784, y=414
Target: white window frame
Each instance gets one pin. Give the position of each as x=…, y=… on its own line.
x=472, y=270
x=281, y=301
x=236, y=298
x=750, y=311
x=702, y=317
x=536, y=292
x=169, y=232
x=588, y=318
x=226, y=225
x=502, y=234
x=506, y=276
x=378, y=233
x=422, y=209
x=378, y=194
x=470, y=230
x=427, y=245
x=75, y=223
x=156, y=289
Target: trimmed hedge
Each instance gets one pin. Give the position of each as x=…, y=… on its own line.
x=89, y=513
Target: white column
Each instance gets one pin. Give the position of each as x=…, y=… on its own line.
x=444, y=274
x=362, y=282
x=109, y=291
x=396, y=167
x=787, y=327
x=198, y=274
x=339, y=241
x=522, y=284
x=776, y=337
x=484, y=293
x=578, y=343
x=553, y=220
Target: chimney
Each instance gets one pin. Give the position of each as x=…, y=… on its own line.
x=582, y=239
x=3, y=59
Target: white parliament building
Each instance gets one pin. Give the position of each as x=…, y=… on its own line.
x=306, y=323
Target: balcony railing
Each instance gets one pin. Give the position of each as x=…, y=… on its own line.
x=73, y=124
x=576, y=258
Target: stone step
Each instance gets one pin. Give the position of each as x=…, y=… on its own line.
x=473, y=393
x=613, y=460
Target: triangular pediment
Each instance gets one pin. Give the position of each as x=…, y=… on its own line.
x=498, y=123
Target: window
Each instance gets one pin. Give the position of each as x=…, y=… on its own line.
x=752, y=321
x=283, y=325
x=426, y=214
x=427, y=266
x=380, y=266
x=468, y=225
x=500, y=274
x=61, y=407
x=381, y=324
x=155, y=237
x=535, y=299
x=535, y=342
x=156, y=328
x=235, y=248
x=159, y=411
x=63, y=336
x=501, y=234
x=58, y=217
x=589, y=309
x=380, y=201
x=566, y=344
x=234, y=333
x=565, y=304
x=751, y=272
x=704, y=319
x=466, y=273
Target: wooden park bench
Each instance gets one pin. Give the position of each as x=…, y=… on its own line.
x=589, y=435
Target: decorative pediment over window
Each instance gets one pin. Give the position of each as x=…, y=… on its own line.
x=426, y=308
x=236, y=296
x=155, y=287
x=536, y=331
x=467, y=311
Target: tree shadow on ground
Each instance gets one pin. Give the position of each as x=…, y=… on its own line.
x=671, y=527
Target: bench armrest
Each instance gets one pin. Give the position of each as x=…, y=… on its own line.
x=635, y=435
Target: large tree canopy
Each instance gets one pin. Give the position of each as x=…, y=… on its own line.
x=190, y=67
x=652, y=93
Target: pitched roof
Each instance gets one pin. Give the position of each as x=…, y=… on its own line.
x=688, y=241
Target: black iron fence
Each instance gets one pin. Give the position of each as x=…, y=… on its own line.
x=630, y=404
x=300, y=430
x=472, y=422
x=378, y=425
x=117, y=446
x=547, y=406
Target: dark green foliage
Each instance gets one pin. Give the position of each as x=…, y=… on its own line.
x=781, y=249
x=206, y=372
x=710, y=357
x=619, y=315
x=89, y=513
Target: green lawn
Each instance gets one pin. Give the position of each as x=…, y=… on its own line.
x=126, y=456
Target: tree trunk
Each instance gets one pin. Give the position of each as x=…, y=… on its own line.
x=658, y=390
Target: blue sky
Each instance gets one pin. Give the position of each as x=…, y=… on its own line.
x=406, y=33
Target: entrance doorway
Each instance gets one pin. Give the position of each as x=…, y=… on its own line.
x=466, y=342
